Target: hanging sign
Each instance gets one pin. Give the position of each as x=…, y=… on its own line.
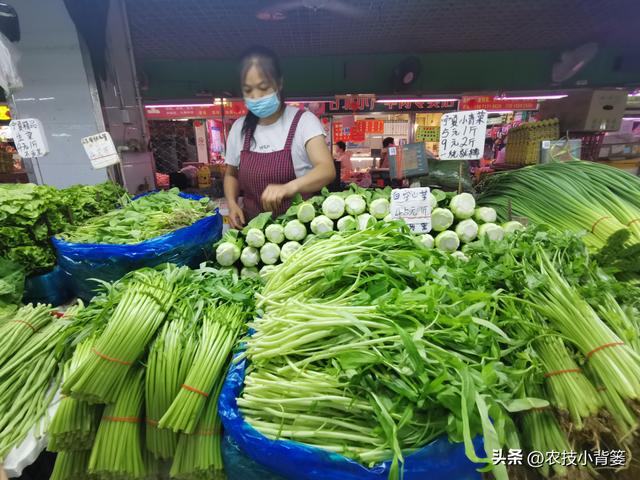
x=428, y=133
x=5, y=113
x=408, y=160
x=413, y=206
x=492, y=103
x=462, y=135
x=100, y=150
x=29, y=138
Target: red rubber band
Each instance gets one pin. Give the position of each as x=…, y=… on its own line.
x=102, y=355
x=153, y=423
x=560, y=372
x=593, y=227
x=633, y=221
x=602, y=347
x=123, y=419
x=57, y=314
x=195, y=390
x=27, y=324
x=601, y=388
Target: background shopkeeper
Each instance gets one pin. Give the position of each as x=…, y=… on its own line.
x=276, y=151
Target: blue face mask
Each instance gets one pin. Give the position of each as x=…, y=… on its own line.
x=263, y=107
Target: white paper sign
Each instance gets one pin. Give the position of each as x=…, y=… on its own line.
x=412, y=205
x=28, y=136
x=100, y=150
x=462, y=135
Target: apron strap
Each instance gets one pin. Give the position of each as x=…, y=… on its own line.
x=247, y=139
x=292, y=130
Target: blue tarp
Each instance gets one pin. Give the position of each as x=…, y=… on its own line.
x=82, y=262
x=284, y=459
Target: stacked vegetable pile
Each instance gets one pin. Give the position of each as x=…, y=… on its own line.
x=263, y=243
x=144, y=380
x=371, y=345
x=147, y=217
x=11, y=286
x=31, y=214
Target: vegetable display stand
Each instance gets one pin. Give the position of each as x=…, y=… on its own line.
x=439, y=460
x=51, y=288
x=83, y=263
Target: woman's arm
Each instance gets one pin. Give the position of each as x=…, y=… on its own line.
x=231, y=193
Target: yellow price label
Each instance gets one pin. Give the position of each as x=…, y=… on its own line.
x=5, y=113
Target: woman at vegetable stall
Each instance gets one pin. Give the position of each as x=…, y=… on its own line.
x=275, y=151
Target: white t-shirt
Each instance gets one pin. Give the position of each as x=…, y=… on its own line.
x=271, y=138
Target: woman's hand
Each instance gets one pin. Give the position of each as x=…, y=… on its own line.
x=236, y=216
x=274, y=195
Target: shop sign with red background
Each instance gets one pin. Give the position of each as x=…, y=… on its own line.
x=492, y=103
x=172, y=112
x=357, y=133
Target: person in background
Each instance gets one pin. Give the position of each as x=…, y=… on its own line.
x=344, y=157
x=384, y=154
x=275, y=151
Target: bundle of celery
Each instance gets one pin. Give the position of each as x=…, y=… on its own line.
x=148, y=296
x=71, y=465
x=147, y=217
x=574, y=196
x=22, y=325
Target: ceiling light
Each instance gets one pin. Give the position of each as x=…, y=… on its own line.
x=416, y=100
x=533, y=97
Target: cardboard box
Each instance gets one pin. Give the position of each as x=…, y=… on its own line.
x=587, y=110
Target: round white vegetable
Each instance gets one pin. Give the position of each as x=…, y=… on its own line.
x=275, y=233
x=255, y=238
x=447, y=241
x=310, y=238
x=458, y=254
x=229, y=271
x=333, y=207
x=433, y=201
x=512, y=227
x=288, y=249
x=463, y=206
x=347, y=223
x=355, y=204
x=250, y=256
x=467, y=230
x=427, y=240
x=249, y=272
x=306, y=212
x=321, y=224
x=380, y=208
x=365, y=221
x=441, y=219
x=492, y=231
x=267, y=270
x=269, y=253
x=295, y=230
x=227, y=254
x=485, y=215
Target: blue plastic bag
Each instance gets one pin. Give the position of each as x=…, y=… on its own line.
x=82, y=262
x=440, y=460
x=51, y=288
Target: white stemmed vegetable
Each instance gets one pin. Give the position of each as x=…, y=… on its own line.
x=321, y=224
x=433, y=201
x=306, y=212
x=250, y=256
x=447, y=241
x=512, y=227
x=227, y=254
x=380, y=208
x=427, y=240
x=441, y=219
x=347, y=223
x=269, y=253
x=365, y=221
x=485, y=215
x=267, y=270
x=295, y=230
x=288, y=249
x=463, y=206
x=333, y=207
x=249, y=272
x=355, y=204
x=491, y=231
x=255, y=238
x=275, y=233
x=467, y=230
x=460, y=255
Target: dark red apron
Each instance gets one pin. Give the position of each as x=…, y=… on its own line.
x=257, y=170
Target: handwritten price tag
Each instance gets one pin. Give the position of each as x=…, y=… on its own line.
x=412, y=205
x=462, y=135
x=100, y=150
x=29, y=138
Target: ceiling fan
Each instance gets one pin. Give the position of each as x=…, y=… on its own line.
x=279, y=11
x=572, y=61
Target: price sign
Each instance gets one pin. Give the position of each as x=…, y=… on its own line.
x=462, y=135
x=428, y=134
x=28, y=136
x=100, y=150
x=412, y=205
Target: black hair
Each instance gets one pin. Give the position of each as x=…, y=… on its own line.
x=269, y=64
x=387, y=141
x=342, y=145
